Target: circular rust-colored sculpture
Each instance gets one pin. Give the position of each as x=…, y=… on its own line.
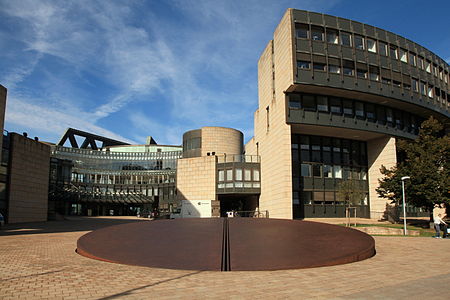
x=236, y=244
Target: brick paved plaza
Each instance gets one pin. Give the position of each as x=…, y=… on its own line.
x=38, y=261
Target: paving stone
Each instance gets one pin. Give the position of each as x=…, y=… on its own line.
x=45, y=266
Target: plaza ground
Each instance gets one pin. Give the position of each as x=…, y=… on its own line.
x=38, y=261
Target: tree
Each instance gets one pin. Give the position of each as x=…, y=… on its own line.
x=427, y=162
x=349, y=191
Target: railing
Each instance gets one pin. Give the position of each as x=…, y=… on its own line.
x=238, y=158
x=250, y=214
x=59, y=151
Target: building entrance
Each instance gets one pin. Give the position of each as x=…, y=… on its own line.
x=244, y=205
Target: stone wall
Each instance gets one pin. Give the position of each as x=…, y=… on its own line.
x=381, y=151
x=196, y=178
x=28, y=180
x=272, y=133
x=221, y=140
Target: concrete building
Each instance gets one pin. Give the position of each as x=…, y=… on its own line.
x=334, y=95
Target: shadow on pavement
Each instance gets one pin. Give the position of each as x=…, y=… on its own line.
x=71, y=224
x=129, y=292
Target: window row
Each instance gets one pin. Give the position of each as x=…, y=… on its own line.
x=352, y=108
x=238, y=174
x=333, y=36
x=122, y=179
x=375, y=73
x=332, y=171
x=309, y=148
x=322, y=198
x=236, y=184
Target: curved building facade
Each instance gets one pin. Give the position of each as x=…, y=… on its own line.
x=334, y=95
x=212, y=140
x=94, y=182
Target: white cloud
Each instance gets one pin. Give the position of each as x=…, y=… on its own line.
x=205, y=66
x=52, y=122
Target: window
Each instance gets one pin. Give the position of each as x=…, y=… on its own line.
x=302, y=31
x=403, y=55
x=337, y=151
x=348, y=107
x=348, y=71
x=303, y=64
x=412, y=59
x=230, y=175
x=267, y=117
x=420, y=62
x=381, y=115
x=322, y=103
x=317, y=34
x=359, y=110
x=370, y=112
x=428, y=66
x=305, y=170
x=393, y=51
x=430, y=91
x=415, y=84
x=363, y=174
x=383, y=48
x=371, y=46
x=304, y=148
x=359, y=42
x=332, y=36
x=307, y=197
x=255, y=175
x=398, y=119
x=334, y=69
x=374, y=73
x=317, y=170
x=337, y=171
x=335, y=105
x=294, y=101
x=247, y=175
x=319, y=66
x=315, y=147
x=309, y=103
x=221, y=175
x=423, y=88
x=238, y=174
x=348, y=67
x=346, y=173
x=385, y=80
x=389, y=116
x=327, y=171
x=346, y=39
x=361, y=73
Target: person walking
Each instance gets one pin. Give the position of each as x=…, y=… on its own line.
x=444, y=227
x=437, y=226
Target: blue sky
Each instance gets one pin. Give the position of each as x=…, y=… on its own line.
x=128, y=69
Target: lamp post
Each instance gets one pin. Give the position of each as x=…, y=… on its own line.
x=404, y=204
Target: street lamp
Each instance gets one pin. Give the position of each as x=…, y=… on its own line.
x=404, y=205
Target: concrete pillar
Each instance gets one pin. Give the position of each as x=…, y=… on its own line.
x=381, y=151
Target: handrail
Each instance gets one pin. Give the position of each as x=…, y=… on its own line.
x=251, y=214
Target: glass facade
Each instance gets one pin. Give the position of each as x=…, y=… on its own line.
x=103, y=181
x=319, y=164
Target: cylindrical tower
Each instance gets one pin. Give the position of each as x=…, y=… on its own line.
x=212, y=141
